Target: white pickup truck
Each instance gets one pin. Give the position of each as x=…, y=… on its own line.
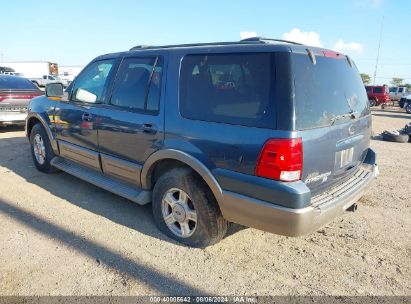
x=46, y=79
x=397, y=92
x=405, y=103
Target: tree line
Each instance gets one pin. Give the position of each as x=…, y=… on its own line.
x=395, y=82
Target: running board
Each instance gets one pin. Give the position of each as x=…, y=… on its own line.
x=132, y=193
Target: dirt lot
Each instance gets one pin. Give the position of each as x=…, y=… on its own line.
x=63, y=236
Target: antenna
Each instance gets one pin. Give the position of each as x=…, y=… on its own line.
x=378, y=52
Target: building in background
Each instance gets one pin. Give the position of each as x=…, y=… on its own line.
x=69, y=72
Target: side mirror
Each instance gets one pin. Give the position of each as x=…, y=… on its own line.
x=54, y=90
x=85, y=96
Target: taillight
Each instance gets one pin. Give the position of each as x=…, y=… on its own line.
x=281, y=159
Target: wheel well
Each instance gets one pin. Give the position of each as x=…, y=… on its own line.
x=163, y=166
x=31, y=123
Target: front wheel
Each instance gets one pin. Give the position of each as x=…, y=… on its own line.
x=41, y=149
x=372, y=102
x=185, y=209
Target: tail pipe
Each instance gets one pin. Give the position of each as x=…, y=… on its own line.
x=353, y=207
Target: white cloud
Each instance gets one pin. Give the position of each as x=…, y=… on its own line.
x=245, y=35
x=348, y=47
x=308, y=38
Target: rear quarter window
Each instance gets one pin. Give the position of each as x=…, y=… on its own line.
x=228, y=88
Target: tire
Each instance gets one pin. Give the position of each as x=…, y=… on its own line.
x=176, y=187
x=43, y=159
x=372, y=102
x=401, y=138
x=408, y=108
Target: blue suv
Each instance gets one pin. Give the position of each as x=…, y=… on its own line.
x=265, y=133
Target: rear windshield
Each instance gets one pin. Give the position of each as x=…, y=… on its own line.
x=16, y=83
x=326, y=90
x=229, y=88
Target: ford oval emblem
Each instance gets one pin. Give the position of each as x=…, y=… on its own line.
x=351, y=130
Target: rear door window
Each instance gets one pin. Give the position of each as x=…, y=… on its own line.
x=325, y=90
x=378, y=90
x=228, y=88
x=138, y=84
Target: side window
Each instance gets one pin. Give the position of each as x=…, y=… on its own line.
x=153, y=98
x=45, y=77
x=229, y=88
x=138, y=84
x=91, y=83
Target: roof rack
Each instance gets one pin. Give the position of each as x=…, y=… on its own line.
x=263, y=39
x=139, y=47
x=243, y=41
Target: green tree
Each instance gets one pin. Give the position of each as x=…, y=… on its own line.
x=397, y=82
x=408, y=86
x=365, y=78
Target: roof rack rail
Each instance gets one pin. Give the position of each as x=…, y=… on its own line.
x=251, y=40
x=262, y=39
x=142, y=46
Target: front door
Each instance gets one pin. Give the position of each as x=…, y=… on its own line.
x=76, y=117
x=131, y=124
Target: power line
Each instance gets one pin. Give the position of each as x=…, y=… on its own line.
x=379, y=47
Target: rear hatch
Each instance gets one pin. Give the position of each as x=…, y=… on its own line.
x=16, y=93
x=332, y=117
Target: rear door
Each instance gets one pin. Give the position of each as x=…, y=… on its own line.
x=131, y=124
x=332, y=117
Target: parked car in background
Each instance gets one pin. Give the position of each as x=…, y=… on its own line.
x=4, y=70
x=46, y=79
x=397, y=92
x=243, y=133
x=378, y=95
x=405, y=103
x=13, y=73
x=15, y=95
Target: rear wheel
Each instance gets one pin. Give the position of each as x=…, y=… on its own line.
x=185, y=209
x=372, y=102
x=408, y=107
x=41, y=149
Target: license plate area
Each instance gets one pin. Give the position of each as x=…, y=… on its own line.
x=344, y=157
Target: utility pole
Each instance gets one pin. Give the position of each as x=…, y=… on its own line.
x=378, y=52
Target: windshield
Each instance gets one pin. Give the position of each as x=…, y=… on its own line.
x=326, y=90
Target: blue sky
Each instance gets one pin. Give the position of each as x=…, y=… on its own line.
x=74, y=32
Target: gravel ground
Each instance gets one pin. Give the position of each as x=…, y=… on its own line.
x=62, y=236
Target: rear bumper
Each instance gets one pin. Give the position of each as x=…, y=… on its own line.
x=277, y=219
x=12, y=118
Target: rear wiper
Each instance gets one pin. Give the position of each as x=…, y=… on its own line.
x=351, y=114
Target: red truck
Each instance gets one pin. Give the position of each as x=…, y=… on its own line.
x=378, y=95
